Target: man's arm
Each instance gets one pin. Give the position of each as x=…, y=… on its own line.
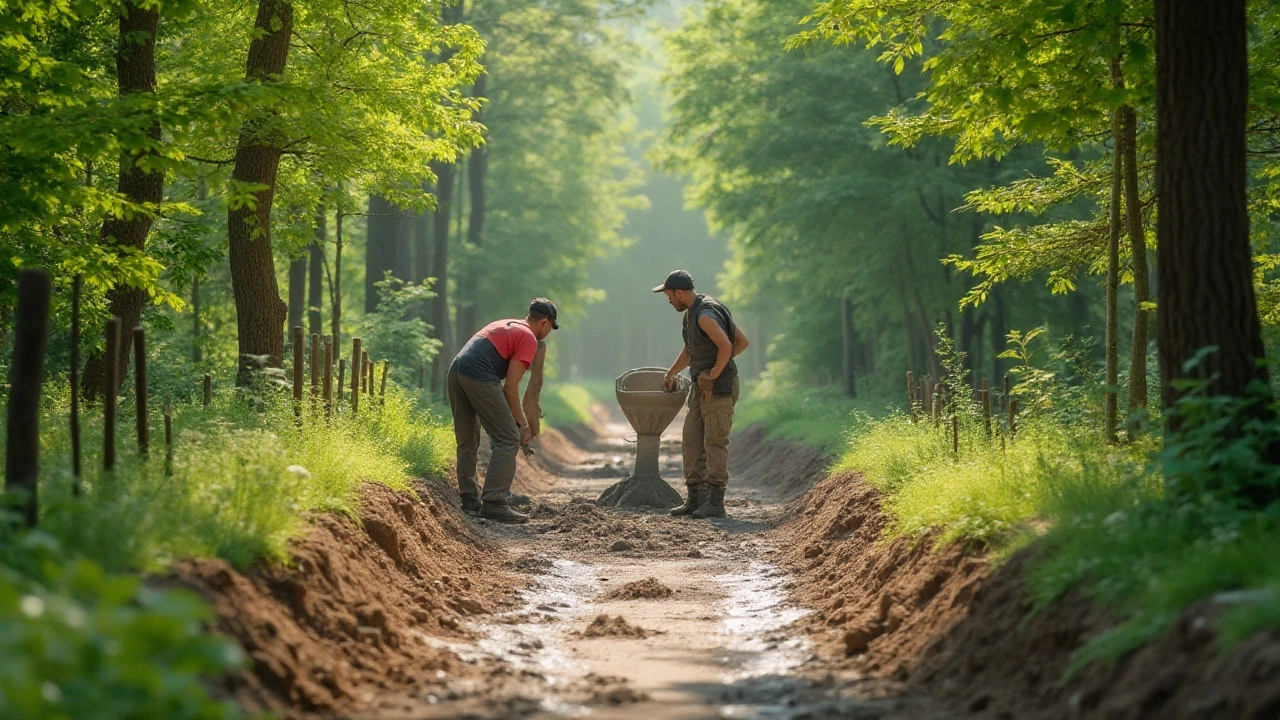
x=682, y=362
x=511, y=390
x=724, y=347
x=533, y=393
x=740, y=341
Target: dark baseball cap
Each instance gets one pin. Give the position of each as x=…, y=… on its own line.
x=677, y=280
x=547, y=309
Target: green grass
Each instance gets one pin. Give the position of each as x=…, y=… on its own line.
x=815, y=416
x=241, y=481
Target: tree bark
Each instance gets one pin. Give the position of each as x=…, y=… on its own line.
x=379, y=249
x=1204, y=264
x=260, y=314
x=440, y=263
x=135, y=73
x=335, y=280
x=477, y=169
x=315, y=271
x=402, y=260
x=1112, y=345
x=1141, y=283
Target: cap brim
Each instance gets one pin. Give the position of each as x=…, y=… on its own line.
x=660, y=288
x=555, y=325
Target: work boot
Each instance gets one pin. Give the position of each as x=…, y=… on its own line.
x=697, y=491
x=501, y=512
x=471, y=504
x=712, y=503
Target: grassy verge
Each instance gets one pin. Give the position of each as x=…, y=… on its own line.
x=816, y=416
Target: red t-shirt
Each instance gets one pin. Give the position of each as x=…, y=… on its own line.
x=489, y=353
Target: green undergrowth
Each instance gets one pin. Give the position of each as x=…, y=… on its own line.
x=566, y=404
x=242, y=479
x=1146, y=528
x=818, y=416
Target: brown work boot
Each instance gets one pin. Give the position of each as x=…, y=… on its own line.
x=712, y=503
x=471, y=504
x=697, y=491
x=500, y=511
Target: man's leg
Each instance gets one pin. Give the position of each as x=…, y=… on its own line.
x=466, y=434
x=504, y=438
x=695, y=460
x=718, y=421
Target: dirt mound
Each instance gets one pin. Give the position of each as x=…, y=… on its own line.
x=606, y=626
x=353, y=612
x=647, y=589
x=781, y=470
x=941, y=621
x=586, y=526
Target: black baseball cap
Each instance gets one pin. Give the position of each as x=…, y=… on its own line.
x=677, y=280
x=545, y=308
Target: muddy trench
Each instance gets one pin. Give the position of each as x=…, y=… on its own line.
x=793, y=607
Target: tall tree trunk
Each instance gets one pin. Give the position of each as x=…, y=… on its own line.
x=477, y=169
x=1141, y=285
x=1204, y=265
x=422, y=269
x=1112, y=346
x=849, y=347
x=402, y=260
x=440, y=237
x=379, y=248
x=260, y=314
x=335, y=280
x=315, y=272
x=135, y=73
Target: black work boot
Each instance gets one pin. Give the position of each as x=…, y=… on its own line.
x=712, y=503
x=471, y=504
x=697, y=492
x=501, y=512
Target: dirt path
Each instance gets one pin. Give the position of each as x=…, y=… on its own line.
x=635, y=615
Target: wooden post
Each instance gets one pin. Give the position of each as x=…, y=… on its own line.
x=208, y=389
x=1006, y=391
x=986, y=406
x=297, y=366
x=911, y=395
x=937, y=403
x=26, y=379
x=140, y=388
x=368, y=375
x=168, y=438
x=382, y=389
x=110, y=390
x=328, y=376
x=955, y=436
x=315, y=365
x=77, y=289
x=356, y=372
x=342, y=375
x=1013, y=417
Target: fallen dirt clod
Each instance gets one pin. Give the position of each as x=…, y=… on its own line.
x=648, y=589
x=606, y=626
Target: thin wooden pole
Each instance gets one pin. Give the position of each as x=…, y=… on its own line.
x=382, y=389
x=342, y=374
x=26, y=379
x=328, y=377
x=208, y=389
x=110, y=390
x=77, y=289
x=986, y=406
x=299, y=352
x=356, y=372
x=367, y=382
x=955, y=436
x=1013, y=417
x=1006, y=391
x=140, y=388
x=315, y=365
x=911, y=395
x=168, y=438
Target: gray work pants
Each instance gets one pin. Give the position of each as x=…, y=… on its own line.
x=475, y=404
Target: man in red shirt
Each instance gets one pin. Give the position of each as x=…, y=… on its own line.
x=484, y=391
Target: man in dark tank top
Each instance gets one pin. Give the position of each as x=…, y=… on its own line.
x=711, y=341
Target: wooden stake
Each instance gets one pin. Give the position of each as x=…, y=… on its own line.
x=955, y=436
x=937, y=403
x=382, y=390
x=911, y=395
x=26, y=379
x=297, y=365
x=110, y=390
x=328, y=377
x=168, y=438
x=986, y=406
x=1013, y=417
x=342, y=374
x=356, y=372
x=1005, y=398
x=315, y=365
x=77, y=288
x=140, y=388
x=208, y=389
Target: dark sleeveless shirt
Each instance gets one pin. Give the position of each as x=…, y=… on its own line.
x=702, y=350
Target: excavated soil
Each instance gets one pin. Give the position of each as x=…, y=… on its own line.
x=943, y=623
x=648, y=589
x=606, y=626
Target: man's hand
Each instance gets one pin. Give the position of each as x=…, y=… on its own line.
x=526, y=434
x=706, y=384
x=535, y=421
x=669, y=382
